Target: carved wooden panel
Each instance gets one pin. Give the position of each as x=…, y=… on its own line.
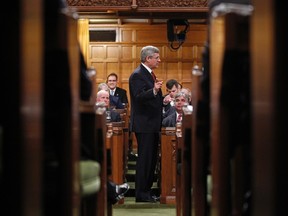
x=173, y=4
x=99, y=3
x=139, y=3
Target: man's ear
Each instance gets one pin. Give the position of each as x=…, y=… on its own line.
x=147, y=58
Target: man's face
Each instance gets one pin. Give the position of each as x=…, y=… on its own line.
x=104, y=98
x=112, y=82
x=153, y=61
x=179, y=103
x=172, y=92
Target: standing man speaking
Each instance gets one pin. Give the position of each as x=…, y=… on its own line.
x=145, y=120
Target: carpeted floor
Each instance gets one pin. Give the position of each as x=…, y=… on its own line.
x=131, y=208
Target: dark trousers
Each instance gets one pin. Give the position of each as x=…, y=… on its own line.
x=146, y=163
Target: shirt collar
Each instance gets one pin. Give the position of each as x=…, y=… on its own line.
x=149, y=69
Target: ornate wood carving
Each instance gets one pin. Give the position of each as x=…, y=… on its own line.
x=99, y=3
x=174, y=4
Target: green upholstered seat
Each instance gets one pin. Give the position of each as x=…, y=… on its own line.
x=90, y=177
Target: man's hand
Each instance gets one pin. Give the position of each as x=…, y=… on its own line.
x=157, y=85
x=167, y=99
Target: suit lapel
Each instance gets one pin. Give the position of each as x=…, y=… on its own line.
x=147, y=74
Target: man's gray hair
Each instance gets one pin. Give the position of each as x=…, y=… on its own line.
x=101, y=92
x=179, y=94
x=148, y=51
x=103, y=86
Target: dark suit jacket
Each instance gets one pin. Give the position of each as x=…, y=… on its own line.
x=169, y=111
x=116, y=102
x=146, y=108
x=169, y=121
x=122, y=94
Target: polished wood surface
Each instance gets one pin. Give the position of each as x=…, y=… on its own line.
x=168, y=166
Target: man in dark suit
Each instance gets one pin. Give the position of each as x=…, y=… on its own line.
x=172, y=87
x=112, y=80
x=145, y=120
x=180, y=100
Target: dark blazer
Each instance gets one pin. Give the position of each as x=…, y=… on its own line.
x=122, y=94
x=116, y=102
x=169, y=111
x=170, y=120
x=146, y=108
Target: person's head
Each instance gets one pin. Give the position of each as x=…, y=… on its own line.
x=111, y=81
x=103, y=96
x=172, y=87
x=181, y=99
x=150, y=56
x=188, y=93
x=103, y=86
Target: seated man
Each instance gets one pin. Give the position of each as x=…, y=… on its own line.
x=112, y=80
x=181, y=99
x=102, y=99
x=115, y=102
x=172, y=87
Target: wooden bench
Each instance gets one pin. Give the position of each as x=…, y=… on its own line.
x=125, y=125
x=93, y=134
x=115, y=151
x=168, y=165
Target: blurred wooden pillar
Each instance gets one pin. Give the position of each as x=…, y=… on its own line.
x=61, y=114
x=21, y=108
x=269, y=105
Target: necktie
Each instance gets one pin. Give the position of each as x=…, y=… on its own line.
x=153, y=75
x=179, y=118
x=112, y=92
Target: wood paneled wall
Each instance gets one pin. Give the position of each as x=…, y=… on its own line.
x=123, y=56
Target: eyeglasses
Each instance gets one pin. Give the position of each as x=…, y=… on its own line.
x=112, y=80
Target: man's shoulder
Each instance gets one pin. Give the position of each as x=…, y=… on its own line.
x=120, y=89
